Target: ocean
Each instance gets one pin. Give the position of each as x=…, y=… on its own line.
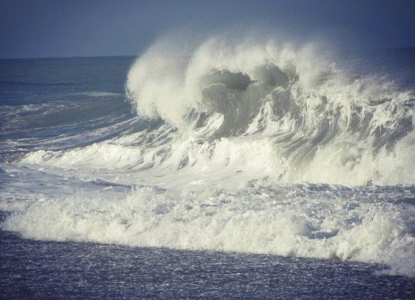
x=212, y=169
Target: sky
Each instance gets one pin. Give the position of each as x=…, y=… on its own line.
x=65, y=28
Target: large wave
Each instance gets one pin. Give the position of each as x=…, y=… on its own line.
x=237, y=110
x=285, y=108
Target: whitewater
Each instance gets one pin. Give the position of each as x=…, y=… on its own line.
x=249, y=145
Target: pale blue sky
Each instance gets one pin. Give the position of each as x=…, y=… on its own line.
x=49, y=28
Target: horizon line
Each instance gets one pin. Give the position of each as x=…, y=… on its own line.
x=68, y=57
x=137, y=55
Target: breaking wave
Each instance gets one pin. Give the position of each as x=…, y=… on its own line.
x=288, y=109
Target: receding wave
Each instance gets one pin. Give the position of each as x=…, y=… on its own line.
x=340, y=223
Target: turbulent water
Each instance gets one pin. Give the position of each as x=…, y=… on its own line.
x=254, y=146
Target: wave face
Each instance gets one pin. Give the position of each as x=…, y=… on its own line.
x=246, y=145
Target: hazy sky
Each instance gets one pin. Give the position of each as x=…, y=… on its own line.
x=41, y=28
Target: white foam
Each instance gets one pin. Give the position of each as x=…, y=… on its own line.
x=263, y=219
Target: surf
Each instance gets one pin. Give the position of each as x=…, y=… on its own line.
x=239, y=145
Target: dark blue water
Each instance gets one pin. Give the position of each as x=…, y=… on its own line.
x=42, y=99
x=59, y=270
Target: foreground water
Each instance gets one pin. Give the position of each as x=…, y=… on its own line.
x=228, y=169
x=60, y=270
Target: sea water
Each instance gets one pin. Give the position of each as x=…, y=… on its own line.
x=217, y=168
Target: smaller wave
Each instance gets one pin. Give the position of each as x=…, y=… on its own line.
x=304, y=221
x=102, y=94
